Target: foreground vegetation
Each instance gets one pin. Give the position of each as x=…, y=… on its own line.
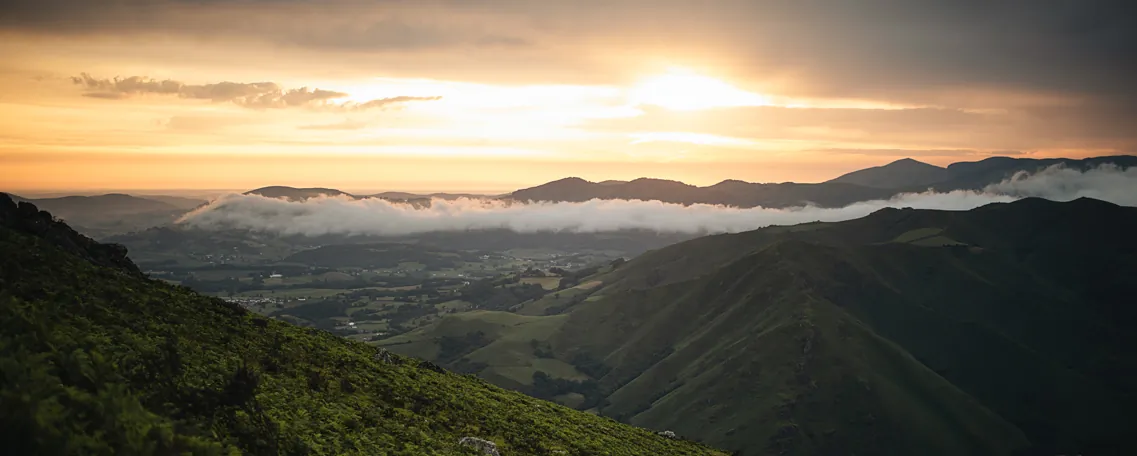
x=97, y=359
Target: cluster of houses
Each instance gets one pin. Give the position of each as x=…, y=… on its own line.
x=216, y=259
x=249, y=301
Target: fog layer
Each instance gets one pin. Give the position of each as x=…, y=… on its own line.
x=345, y=216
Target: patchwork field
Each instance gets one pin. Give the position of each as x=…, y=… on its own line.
x=548, y=283
x=505, y=351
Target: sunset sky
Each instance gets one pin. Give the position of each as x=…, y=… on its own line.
x=492, y=95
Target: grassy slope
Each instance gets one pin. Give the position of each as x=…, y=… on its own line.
x=509, y=357
x=1022, y=338
x=96, y=361
x=759, y=362
x=1032, y=323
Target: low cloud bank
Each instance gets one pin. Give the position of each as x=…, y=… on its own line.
x=344, y=216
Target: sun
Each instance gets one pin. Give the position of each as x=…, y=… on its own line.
x=682, y=90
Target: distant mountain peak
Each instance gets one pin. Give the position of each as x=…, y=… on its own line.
x=570, y=180
x=654, y=183
x=296, y=194
x=909, y=161
x=903, y=173
x=287, y=188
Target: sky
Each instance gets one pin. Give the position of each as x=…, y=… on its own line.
x=494, y=95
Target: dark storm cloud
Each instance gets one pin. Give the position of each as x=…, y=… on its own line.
x=256, y=95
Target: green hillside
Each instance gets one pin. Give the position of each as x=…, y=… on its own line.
x=1008, y=329
x=96, y=359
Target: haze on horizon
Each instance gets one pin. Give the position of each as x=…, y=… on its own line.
x=444, y=95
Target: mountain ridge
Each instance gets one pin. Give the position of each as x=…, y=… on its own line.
x=110, y=213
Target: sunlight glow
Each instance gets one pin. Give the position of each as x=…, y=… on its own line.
x=684, y=91
x=688, y=137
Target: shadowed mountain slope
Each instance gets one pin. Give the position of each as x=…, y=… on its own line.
x=1007, y=329
x=1024, y=307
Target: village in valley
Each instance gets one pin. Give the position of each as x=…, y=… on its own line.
x=369, y=292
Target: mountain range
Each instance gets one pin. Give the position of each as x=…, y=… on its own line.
x=301, y=194
x=104, y=215
x=98, y=359
x=911, y=175
x=881, y=182
x=730, y=192
x=111, y=214
x=1007, y=329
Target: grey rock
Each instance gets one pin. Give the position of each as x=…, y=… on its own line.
x=668, y=434
x=484, y=445
x=431, y=366
x=385, y=356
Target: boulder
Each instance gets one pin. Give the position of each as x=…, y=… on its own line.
x=485, y=446
x=382, y=355
x=431, y=366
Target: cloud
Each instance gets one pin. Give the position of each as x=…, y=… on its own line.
x=839, y=46
x=289, y=98
x=1025, y=57
x=107, y=95
x=251, y=94
x=336, y=25
x=923, y=152
x=1107, y=182
x=321, y=216
x=255, y=95
x=384, y=103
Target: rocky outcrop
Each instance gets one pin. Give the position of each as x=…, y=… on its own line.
x=26, y=218
x=483, y=445
x=431, y=366
x=384, y=356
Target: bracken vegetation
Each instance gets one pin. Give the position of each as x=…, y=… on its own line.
x=97, y=360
